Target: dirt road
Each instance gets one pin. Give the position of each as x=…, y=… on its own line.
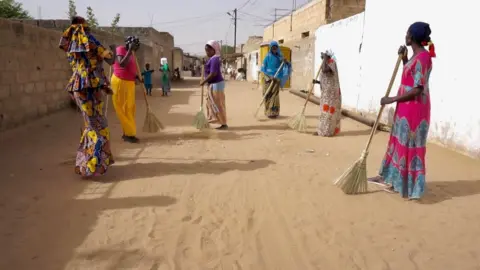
x=255, y=197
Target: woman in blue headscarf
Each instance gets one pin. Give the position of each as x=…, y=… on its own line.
x=271, y=64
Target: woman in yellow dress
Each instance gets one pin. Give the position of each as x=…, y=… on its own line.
x=87, y=87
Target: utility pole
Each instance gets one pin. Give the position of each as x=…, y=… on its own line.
x=235, y=30
x=221, y=48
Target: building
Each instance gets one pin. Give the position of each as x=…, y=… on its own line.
x=297, y=29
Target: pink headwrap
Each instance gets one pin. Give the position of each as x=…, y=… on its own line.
x=215, y=45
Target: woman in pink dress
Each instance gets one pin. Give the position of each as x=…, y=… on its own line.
x=403, y=167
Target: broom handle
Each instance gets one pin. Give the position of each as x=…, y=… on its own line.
x=202, y=93
x=310, y=91
x=269, y=88
x=392, y=80
x=143, y=85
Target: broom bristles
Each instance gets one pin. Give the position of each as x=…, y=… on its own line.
x=200, y=122
x=354, y=179
x=152, y=124
x=298, y=122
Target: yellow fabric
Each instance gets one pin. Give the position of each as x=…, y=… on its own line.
x=124, y=102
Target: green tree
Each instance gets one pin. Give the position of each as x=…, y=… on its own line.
x=91, y=19
x=115, y=22
x=227, y=49
x=10, y=9
x=72, y=9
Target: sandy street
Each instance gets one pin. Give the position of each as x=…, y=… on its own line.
x=258, y=196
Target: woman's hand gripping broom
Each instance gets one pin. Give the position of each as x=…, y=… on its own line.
x=151, y=124
x=200, y=122
x=299, y=122
x=354, y=179
x=269, y=88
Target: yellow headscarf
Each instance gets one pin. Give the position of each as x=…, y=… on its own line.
x=74, y=39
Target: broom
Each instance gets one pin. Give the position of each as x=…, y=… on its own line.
x=354, y=179
x=268, y=89
x=299, y=121
x=200, y=121
x=151, y=123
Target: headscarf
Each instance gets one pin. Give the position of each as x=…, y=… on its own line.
x=272, y=62
x=74, y=39
x=331, y=54
x=420, y=32
x=132, y=40
x=215, y=45
x=163, y=61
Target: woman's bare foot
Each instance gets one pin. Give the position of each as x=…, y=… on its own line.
x=377, y=180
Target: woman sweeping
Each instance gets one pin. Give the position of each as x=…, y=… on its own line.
x=403, y=167
x=330, y=98
x=85, y=55
x=271, y=64
x=216, y=107
x=123, y=86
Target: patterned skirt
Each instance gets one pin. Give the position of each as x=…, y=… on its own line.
x=93, y=154
x=330, y=112
x=272, y=100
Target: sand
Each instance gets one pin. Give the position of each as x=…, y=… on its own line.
x=255, y=197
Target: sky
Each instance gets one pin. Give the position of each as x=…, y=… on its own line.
x=191, y=22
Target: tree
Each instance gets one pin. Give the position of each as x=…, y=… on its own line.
x=115, y=22
x=10, y=9
x=227, y=49
x=91, y=19
x=72, y=9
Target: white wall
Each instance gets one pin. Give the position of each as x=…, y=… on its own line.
x=455, y=117
x=253, y=66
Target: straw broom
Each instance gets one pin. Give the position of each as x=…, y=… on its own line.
x=200, y=121
x=354, y=179
x=151, y=123
x=269, y=89
x=299, y=121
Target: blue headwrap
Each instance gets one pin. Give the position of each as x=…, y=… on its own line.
x=272, y=62
x=420, y=32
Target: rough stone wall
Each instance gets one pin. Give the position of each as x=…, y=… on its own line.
x=305, y=19
x=161, y=44
x=33, y=71
x=341, y=9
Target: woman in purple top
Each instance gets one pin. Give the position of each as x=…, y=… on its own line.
x=216, y=108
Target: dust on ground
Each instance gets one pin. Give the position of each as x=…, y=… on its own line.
x=258, y=196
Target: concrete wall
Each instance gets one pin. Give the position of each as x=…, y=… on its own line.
x=455, y=121
x=177, y=60
x=302, y=62
x=34, y=73
x=306, y=19
x=161, y=44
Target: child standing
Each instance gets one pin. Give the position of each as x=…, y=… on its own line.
x=147, y=78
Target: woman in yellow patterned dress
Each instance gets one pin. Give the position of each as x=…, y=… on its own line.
x=87, y=87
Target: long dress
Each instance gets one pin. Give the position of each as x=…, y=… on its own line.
x=86, y=85
x=272, y=99
x=404, y=164
x=330, y=102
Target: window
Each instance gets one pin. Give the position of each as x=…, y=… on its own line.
x=281, y=41
x=305, y=34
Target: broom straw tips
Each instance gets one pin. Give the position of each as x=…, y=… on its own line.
x=200, y=121
x=299, y=121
